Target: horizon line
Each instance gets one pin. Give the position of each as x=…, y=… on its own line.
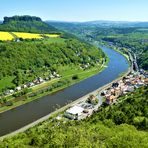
x=83, y=21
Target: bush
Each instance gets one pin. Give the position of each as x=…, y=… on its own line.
x=75, y=77
x=9, y=103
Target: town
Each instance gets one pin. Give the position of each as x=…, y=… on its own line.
x=86, y=107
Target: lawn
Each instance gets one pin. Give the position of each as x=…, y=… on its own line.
x=52, y=35
x=53, y=40
x=69, y=70
x=6, y=82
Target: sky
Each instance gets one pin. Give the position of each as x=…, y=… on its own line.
x=77, y=10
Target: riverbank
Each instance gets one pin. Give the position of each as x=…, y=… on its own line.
x=55, y=113
x=28, y=113
x=106, y=44
x=82, y=75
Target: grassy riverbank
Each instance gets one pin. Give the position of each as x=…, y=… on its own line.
x=52, y=115
x=67, y=75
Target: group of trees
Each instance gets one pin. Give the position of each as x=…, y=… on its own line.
x=27, y=60
x=138, y=46
x=135, y=38
x=132, y=110
x=120, y=125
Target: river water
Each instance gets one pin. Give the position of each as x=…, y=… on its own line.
x=27, y=113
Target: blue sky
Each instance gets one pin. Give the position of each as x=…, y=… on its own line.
x=77, y=10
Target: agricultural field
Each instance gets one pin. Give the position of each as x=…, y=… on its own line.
x=5, y=36
x=52, y=35
x=27, y=35
x=33, y=35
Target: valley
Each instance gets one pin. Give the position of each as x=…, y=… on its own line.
x=33, y=65
x=73, y=84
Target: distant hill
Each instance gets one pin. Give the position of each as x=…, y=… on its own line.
x=133, y=35
x=116, y=24
x=99, y=23
x=26, y=24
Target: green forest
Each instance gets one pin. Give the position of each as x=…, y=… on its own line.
x=124, y=124
x=133, y=37
x=25, y=60
x=28, y=60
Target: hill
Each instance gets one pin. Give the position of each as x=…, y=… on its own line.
x=100, y=23
x=132, y=35
x=135, y=39
x=120, y=125
x=26, y=60
x=26, y=23
x=122, y=24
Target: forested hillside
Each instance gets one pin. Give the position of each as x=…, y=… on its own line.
x=30, y=59
x=24, y=60
x=26, y=24
x=133, y=37
x=120, y=125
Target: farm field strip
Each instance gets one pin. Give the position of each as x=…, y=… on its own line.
x=27, y=35
x=52, y=35
x=6, y=36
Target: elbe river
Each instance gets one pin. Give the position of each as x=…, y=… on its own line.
x=20, y=116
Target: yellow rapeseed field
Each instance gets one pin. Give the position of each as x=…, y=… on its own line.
x=52, y=35
x=4, y=36
x=27, y=35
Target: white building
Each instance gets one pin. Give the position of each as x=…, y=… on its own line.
x=18, y=88
x=11, y=91
x=74, y=112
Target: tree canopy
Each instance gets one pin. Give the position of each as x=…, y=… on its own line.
x=30, y=58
